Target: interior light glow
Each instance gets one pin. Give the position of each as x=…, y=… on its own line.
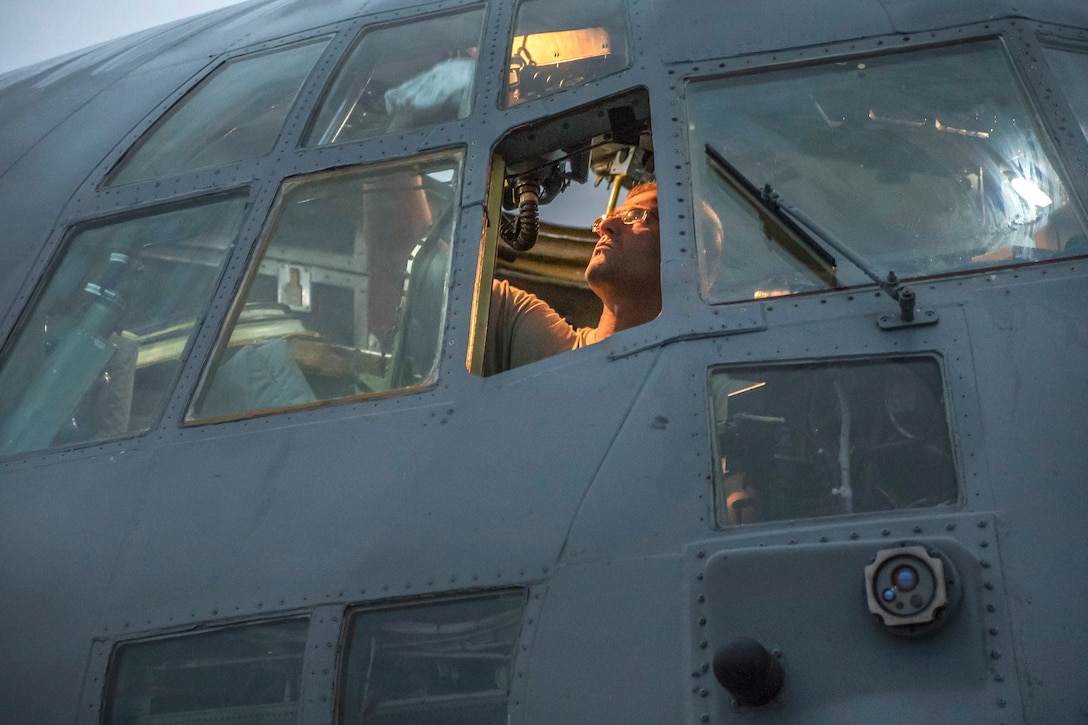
x=563, y=46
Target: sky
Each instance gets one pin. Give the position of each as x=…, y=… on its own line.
x=37, y=30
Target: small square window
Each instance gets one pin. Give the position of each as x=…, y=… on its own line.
x=244, y=674
x=828, y=438
x=431, y=664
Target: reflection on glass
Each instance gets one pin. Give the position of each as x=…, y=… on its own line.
x=96, y=354
x=559, y=44
x=820, y=439
x=924, y=163
x=1070, y=66
x=233, y=115
x=247, y=674
x=347, y=296
x=437, y=664
x=402, y=77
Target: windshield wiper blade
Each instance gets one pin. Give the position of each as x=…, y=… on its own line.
x=809, y=233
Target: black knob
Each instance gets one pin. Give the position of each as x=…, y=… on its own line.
x=751, y=674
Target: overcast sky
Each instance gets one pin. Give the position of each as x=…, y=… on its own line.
x=36, y=30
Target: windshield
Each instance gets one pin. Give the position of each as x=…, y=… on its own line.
x=921, y=163
x=97, y=353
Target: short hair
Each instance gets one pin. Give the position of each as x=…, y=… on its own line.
x=643, y=188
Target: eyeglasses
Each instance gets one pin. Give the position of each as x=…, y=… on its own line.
x=628, y=217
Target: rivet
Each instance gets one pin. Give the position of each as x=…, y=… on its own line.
x=917, y=529
x=704, y=644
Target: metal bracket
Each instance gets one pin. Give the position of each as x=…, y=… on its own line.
x=919, y=319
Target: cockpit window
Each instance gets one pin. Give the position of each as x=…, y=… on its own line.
x=827, y=438
x=559, y=44
x=402, y=77
x=563, y=266
x=347, y=295
x=447, y=662
x=921, y=163
x=233, y=115
x=243, y=674
x=98, y=350
x=1069, y=63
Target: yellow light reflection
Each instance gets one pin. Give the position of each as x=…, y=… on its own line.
x=563, y=46
x=961, y=131
x=753, y=386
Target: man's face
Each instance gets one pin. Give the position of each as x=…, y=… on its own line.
x=627, y=258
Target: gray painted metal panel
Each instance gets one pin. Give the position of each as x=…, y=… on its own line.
x=586, y=478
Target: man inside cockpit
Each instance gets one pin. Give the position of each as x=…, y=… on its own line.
x=624, y=271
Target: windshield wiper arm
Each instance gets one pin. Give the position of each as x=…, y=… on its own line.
x=807, y=231
x=767, y=200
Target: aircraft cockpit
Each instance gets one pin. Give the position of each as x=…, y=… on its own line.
x=344, y=295
x=267, y=455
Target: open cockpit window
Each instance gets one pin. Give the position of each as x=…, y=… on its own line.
x=401, y=77
x=560, y=44
x=431, y=664
x=235, y=114
x=243, y=674
x=923, y=163
x=98, y=350
x=347, y=295
x=828, y=438
x=550, y=274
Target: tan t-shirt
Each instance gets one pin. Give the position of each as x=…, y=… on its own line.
x=522, y=328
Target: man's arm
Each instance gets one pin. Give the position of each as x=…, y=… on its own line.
x=522, y=328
